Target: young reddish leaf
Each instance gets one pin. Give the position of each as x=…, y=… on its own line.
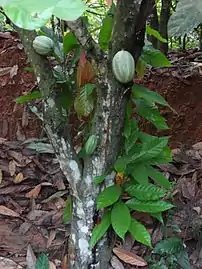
x=109, y=3
x=129, y=257
x=120, y=218
x=109, y=196
x=100, y=229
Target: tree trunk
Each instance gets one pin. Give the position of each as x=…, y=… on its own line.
x=163, y=26
x=200, y=37
x=154, y=23
x=107, y=123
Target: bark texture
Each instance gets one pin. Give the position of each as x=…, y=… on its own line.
x=108, y=121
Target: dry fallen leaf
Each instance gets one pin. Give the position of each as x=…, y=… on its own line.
x=116, y=264
x=30, y=258
x=19, y=178
x=35, y=192
x=6, y=263
x=1, y=176
x=129, y=257
x=12, y=168
x=51, y=265
x=8, y=212
x=51, y=238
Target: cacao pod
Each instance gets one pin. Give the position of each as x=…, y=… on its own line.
x=123, y=66
x=91, y=144
x=43, y=45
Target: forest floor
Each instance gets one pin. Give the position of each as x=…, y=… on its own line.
x=33, y=191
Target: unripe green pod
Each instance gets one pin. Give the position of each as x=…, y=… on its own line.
x=43, y=45
x=91, y=144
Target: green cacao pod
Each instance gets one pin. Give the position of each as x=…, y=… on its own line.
x=91, y=144
x=43, y=45
x=123, y=66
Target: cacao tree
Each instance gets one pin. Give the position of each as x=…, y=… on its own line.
x=116, y=158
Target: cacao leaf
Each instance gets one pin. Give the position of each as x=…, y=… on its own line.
x=109, y=196
x=140, y=233
x=169, y=246
x=120, y=218
x=148, y=206
x=100, y=229
x=158, y=177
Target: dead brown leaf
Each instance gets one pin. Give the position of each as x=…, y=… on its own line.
x=1, y=176
x=6, y=263
x=8, y=212
x=12, y=168
x=116, y=264
x=35, y=192
x=25, y=117
x=19, y=178
x=5, y=70
x=30, y=258
x=129, y=257
x=51, y=238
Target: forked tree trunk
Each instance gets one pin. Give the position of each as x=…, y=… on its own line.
x=107, y=123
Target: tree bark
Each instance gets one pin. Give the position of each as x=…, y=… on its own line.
x=200, y=37
x=154, y=23
x=163, y=26
x=108, y=122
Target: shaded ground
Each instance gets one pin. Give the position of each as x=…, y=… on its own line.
x=30, y=218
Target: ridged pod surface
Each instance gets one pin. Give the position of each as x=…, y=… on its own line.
x=91, y=144
x=43, y=45
x=123, y=66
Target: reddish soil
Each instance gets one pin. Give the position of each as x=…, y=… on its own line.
x=182, y=88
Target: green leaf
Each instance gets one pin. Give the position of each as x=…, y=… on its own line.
x=145, y=192
x=69, y=10
x=106, y=29
x=164, y=157
x=109, y=196
x=153, y=97
x=158, y=177
x=155, y=33
x=188, y=16
x=29, y=69
x=140, y=173
x=67, y=211
x=158, y=216
x=154, y=57
x=84, y=102
x=120, y=218
x=42, y=262
x=99, y=179
x=100, y=229
x=140, y=233
x=183, y=259
x=69, y=42
x=140, y=67
x=27, y=20
x=150, y=112
x=28, y=98
x=148, y=206
x=148, y=150
x=169, y=246
x=120, y=164
x=34, y=6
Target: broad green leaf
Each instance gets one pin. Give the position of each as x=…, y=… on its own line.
x=139, y=232
x=140, y=174
x=69, y=10
x=106, y=29
x=23, y=19
x=183, y=259
x=140, y=67
x=120, y=164
x=155, y=33
x=131, y=132
x=69, y=42
x=148, y=206
x=33, y=6
x=145, y=192
x=109, y=196
x=158, y=177
x=153, y=97
x=27, y=98
x=42, y=262
x=120, y=218
x=154, y=57
x=164, y=157
x=188, y=15
x=148, y=151
x=99, y=179
x=169, y=246
x=158, y=216
x=150, y=112
x=100, y=229
x=29, y=69
x=67, y=211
